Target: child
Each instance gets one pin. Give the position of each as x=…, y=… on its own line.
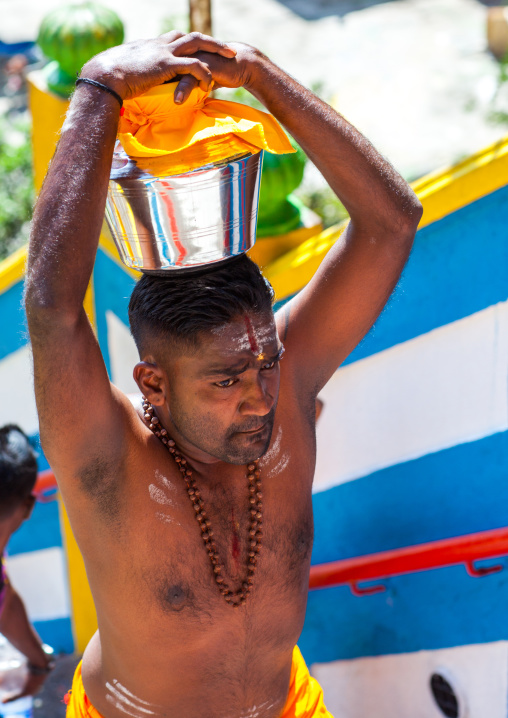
x=18, y=472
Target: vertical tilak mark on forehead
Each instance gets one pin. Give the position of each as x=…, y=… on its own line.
x=252, y=337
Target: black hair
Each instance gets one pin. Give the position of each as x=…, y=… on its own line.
x=182, y=305
x=18, y=468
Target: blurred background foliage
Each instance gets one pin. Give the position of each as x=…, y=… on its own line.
x=16, y=183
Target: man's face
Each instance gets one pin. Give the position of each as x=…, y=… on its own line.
x=222, y=398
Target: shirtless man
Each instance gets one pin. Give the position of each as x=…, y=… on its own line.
x=190, y=624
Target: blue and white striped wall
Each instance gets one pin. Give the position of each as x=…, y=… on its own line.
x=413, y=447
x=35, y=562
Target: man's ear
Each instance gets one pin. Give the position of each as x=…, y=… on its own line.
x=150, y=380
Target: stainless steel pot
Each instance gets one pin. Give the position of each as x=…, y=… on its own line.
x=167, y=222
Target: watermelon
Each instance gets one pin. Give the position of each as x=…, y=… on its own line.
x=71, y=35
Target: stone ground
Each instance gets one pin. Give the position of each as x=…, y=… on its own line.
x=413, y=75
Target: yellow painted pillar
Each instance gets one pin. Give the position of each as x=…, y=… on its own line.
x=48, y=113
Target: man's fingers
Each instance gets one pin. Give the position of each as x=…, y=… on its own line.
x=172, y=35
x=13, y=696
x=200, y=75
x=184, y=88
x=190, y=44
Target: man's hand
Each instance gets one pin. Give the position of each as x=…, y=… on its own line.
x=236, y=71
x=32, y=686
x=136, y=67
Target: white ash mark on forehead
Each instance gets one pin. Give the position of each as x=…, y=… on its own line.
x=159, y=495
x=266, y=334
x=279, y=466
x=274, y=449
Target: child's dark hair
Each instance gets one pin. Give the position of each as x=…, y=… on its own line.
x=182, y=305
x=18, y=468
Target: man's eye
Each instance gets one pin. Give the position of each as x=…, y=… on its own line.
x=269, y=365
x=225, y=383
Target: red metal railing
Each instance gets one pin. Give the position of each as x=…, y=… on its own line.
x=422, y=557
x=45, y=487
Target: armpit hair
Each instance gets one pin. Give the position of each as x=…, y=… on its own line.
x=99, y=479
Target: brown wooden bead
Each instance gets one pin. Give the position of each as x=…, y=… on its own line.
x=251, y=467
x=205, y=536
x=219, y=579
x=252, y=532
x=259, y=515
x=164, y=432
x=252, y=500
x=259, y=495
x=217, y=569
x=196, y=508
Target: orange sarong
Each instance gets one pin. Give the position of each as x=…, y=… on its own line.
x=305, y=697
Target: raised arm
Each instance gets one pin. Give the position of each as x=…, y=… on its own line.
x=329, y=317
x=82, y=418
x=335, y=310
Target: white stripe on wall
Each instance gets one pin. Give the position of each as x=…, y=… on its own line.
x=40, y=577
x=17, y=400
x=443, y=388
x=398, y=686
x=123, y=355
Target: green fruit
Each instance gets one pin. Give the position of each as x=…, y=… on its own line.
x=279, y=212
x=71, y=35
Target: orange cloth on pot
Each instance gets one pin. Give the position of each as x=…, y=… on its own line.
x=153, y=125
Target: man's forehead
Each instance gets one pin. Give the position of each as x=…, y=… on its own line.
x=246, y=332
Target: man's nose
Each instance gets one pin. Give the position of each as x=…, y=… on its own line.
x=257, y=400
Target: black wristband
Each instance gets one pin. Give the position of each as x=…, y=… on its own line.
x=94, y=83
x=41, y=670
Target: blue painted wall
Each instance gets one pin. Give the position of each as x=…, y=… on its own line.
x=458, y=266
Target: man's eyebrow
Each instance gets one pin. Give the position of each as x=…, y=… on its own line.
x=235, y=369
x=231, y=370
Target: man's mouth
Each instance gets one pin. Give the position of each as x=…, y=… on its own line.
x=254, y=431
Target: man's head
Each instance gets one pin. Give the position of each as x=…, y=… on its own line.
x=18, y=473
x=210, y=353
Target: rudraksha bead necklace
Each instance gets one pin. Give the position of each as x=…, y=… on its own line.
x=238, y=597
